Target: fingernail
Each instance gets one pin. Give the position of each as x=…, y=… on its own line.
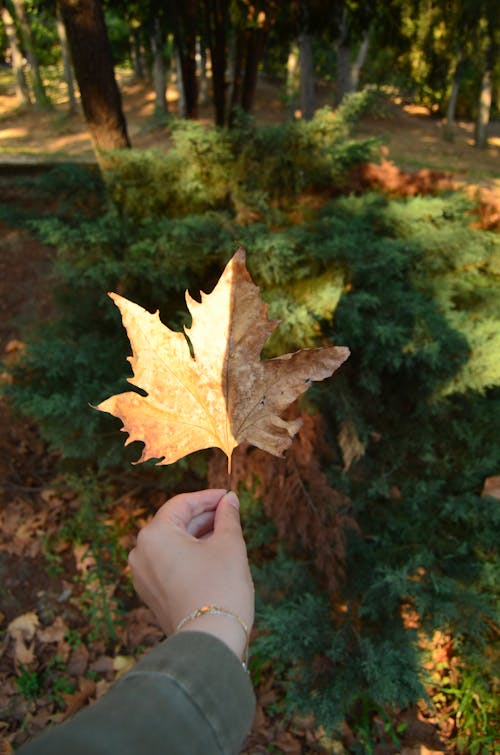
x=232, y=498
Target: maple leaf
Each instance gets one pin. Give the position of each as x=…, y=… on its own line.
x=208, y=387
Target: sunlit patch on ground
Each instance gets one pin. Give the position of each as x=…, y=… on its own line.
x=14, y=133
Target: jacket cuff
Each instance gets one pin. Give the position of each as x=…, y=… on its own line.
x=213, y=677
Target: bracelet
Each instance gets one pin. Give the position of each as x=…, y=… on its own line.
x=212, y=610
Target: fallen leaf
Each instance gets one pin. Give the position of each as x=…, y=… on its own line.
x=224, y=393
x=20, y=529
x=141, y=626
x=8, y=686
x=420, y=750
x=122, y=664
x=78, y=661
x=350, y=444
x=76, y=700
x=5, y=746
x=287, y=743
x=37, y=721
x=22, y=631
x=53, y=633
x=491, y=487
x=14, y=345
x=101, y=688
x=84, y=559
x=102, y=665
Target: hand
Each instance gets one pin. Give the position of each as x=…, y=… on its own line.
x=192, y=554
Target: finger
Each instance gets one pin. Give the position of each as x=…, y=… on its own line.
x=181, y=509
x=227, y=514
x=202, y=524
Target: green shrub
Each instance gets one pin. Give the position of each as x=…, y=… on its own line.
x=219, y=169
x=426, y=404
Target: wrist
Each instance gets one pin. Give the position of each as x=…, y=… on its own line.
x=227, y=627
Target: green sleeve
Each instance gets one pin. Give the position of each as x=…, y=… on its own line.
x=189, y=695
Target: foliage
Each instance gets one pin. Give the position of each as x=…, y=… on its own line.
x=215, y=169
x=474, y=699
x=427, y=538
x=52, y=679
x=101, y=559
x=418, y=47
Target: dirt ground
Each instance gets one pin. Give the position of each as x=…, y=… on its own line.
x=414, y=140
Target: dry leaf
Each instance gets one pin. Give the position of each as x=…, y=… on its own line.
x=122, y=664
x=5, y=746
x=53, y=633
x=350, y=444
x=84, y=559
x=102, y=665
x=420, y=750
x=22, y=631
x=224, y=394
x=141, y=627
x=288, y=744
x=78, y=661
x=20, y=529
x=491, y=487
x=76, y=700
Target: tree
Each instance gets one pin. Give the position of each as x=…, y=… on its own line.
x=93, y=64
x=157, y=39
x=251, y=22
x=491, y=26
x=216, y=19
x=67, y=69
x=22, y=89
x=452, y=102
x=306, y=62
x=41, y=99
x=186, y=31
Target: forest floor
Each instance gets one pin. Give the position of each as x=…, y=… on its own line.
x=49, y=664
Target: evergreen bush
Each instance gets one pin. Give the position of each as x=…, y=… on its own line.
x=219, y=169
x=423, y=392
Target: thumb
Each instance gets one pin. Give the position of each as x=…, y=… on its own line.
x=227, y=514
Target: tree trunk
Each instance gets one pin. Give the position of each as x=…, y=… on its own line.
x=292, y=79
x=238, y=59
x=484, y=109
x=256, y=40
x=307, y=98
x=344, y=82
x=249, y=44
x=358, y=64
x=136, y=54
x=179, y=84
x=452, y=103
x=201, y=56
x=93, y=65
x=67, y=70
x=486, y=93
x=22, y=90
x=216, y=21
x=189, y=82
x=41, y=99
x=159, y=72
x=185, y=37
x=343, y=47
